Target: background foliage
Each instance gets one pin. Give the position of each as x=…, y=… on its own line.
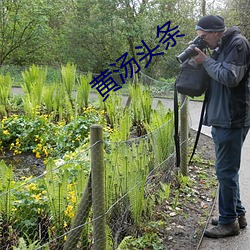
x=94, y=33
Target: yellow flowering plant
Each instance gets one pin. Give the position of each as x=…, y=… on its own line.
x=30, y=205
x=44, y=137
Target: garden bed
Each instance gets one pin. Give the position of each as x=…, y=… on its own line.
x=178, y=222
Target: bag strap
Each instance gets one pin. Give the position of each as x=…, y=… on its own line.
x=199, y=127
x=176, y=126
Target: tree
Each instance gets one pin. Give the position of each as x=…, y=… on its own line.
x=103, y=30
x=21, y=21
x=237, y=13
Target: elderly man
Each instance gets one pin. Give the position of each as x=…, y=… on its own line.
x=228, y=112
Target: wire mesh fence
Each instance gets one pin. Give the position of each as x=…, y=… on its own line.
x=158, y=87
x=55, y=210
x=41, y=211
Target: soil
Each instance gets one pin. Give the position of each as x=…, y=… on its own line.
x=25, y=164
x=186, y=223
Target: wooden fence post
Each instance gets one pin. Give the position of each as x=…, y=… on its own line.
x=98, y=195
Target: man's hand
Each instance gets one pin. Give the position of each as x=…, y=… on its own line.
x=200, y=58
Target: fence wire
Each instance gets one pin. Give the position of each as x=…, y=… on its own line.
x=44, y=210
x=158, y=87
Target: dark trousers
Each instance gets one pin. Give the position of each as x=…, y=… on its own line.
x=228, y=145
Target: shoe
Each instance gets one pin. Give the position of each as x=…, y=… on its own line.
x=221, y=231
x=241, y=219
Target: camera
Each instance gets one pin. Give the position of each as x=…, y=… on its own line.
x=190, y=51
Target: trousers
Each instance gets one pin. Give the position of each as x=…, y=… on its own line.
x=228, y=146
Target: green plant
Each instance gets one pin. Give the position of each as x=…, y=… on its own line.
x=161, y=126
x=164, y=191
x=141, y=103
x=68, y=74
x=146, y=101
x=30, y=207
x=176, y=199
x=184, y=181
x=48, y=98
x=23, y=134
x=114, y=110
x=62, y=104
x=5, y=90
x=56, y=187
x=121, y=131
x=28, y=245
x=147, y=241
x=15, y=71
x=34, y=81
x=127, y=160
x=44, y=137
x=6, y=196
x=83, y=91
x=126, y=172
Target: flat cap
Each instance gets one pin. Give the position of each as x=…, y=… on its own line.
x=210, y=23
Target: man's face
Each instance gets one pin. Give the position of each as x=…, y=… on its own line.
x=211, y=38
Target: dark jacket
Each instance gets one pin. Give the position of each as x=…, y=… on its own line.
x=229, y=90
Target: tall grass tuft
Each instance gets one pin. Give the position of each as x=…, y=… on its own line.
x=161, y=128
x=141, y=106
x=126, y=172
x=114, y=109
x=83, y=91
x=33, y=86
x=56, y=184
x=6, y=184
x=5, y=89
x=48, y=98
x=68, y=74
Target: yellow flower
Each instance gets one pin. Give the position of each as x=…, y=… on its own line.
x=69, y=211
x=73, y=199
x=37, y=196
x=16, y=152
x=6, y=132
x=45, y=151
x=31, y=187
x=14, y=209
x=38, y=155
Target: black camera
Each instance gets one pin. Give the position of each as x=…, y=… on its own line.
x=190, y=51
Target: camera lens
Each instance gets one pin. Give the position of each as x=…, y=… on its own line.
x=190, y=51
x=187, y=53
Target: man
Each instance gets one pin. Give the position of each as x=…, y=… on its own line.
x=228, y=112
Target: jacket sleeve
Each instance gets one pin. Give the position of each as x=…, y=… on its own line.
x=232, y=69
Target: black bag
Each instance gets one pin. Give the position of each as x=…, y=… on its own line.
x=192, y=80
